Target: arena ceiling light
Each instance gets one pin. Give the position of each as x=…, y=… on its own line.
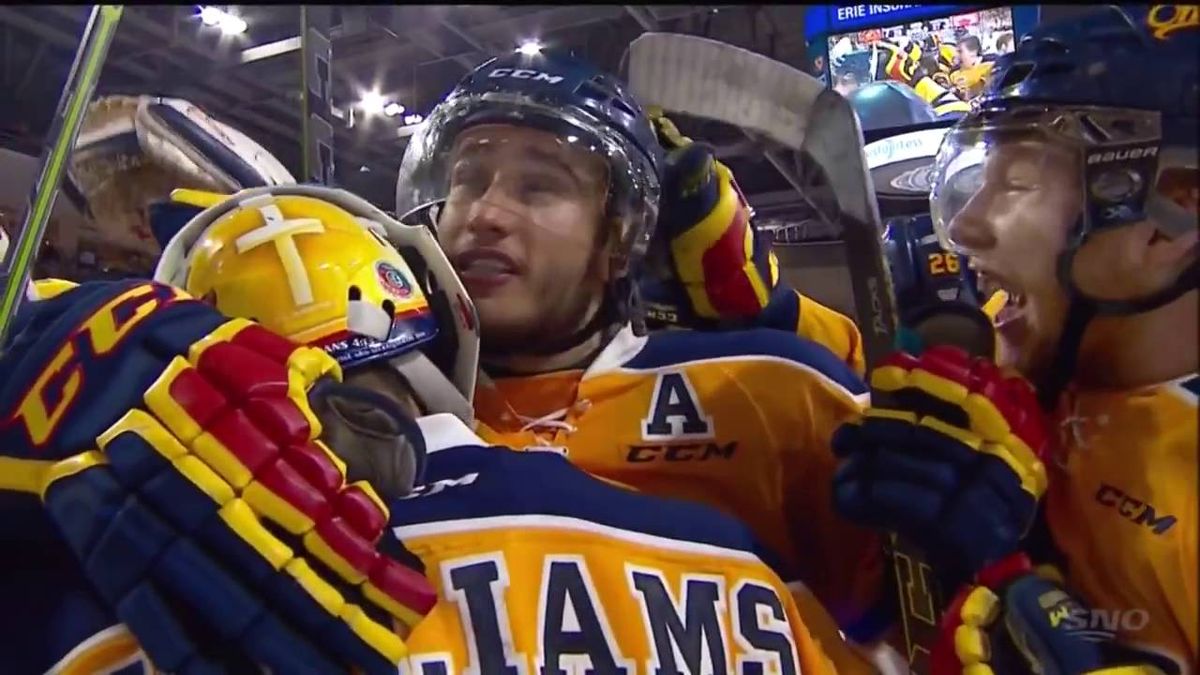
x=230, y=24
x=372, y=103
x=530, y=47
x=392, y=109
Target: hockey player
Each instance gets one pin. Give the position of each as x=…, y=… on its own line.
x=536, y=564
x=550, y=176
x=1076, y=194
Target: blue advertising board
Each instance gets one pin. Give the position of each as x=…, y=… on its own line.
x=825, y=19
x=822, y=20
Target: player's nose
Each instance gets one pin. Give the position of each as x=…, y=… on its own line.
x=494, y=213
x=970, y=232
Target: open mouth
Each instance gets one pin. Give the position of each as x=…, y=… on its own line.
x=990, y=283
x=485, y=267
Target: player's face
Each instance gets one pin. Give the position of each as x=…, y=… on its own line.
x=966, y=57
x=523, y=226
x=1014, y=225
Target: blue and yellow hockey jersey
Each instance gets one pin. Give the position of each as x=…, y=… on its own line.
x=740, y=421
x=536, y=564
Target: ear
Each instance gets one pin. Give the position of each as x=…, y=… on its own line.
x=1164, y=253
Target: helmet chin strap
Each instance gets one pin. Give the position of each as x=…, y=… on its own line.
x=1081, y=309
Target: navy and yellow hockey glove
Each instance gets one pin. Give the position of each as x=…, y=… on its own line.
x=706, y=220
x=177, y=455
x=1015, y=619
x=949, y=456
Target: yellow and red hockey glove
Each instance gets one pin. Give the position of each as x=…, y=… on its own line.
x=1015, y=619
x=177, y=455
x=949, y=456
x=706, y=219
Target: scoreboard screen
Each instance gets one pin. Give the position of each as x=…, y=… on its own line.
x=907, y=66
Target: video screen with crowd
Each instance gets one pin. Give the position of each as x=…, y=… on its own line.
x=921, y=71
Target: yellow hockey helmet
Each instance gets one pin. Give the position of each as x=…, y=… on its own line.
x=315, y=265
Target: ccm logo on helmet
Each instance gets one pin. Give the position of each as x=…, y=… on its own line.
x=1127, y=153
x=523, y=74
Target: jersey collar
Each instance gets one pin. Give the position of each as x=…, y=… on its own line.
x=444, y=430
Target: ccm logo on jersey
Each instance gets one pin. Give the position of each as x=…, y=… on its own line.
x=1133, y=510
x=1126, y=153
x=681, y=452
x=523, y=74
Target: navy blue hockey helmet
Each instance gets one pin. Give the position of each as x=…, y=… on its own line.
x=583, y=106
x=1121, y=85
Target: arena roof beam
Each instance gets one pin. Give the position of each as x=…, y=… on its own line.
x=643, y=16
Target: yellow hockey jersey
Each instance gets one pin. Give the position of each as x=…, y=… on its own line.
x=1122, y=511
x=737, y=420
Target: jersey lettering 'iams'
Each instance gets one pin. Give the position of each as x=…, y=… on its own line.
x=705, y=626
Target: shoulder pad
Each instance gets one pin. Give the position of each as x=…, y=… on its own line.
x=676, y=348
x=473, y=487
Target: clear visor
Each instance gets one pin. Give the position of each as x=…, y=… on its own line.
x=506, y=161
x=1033, y=158
x=980, y=173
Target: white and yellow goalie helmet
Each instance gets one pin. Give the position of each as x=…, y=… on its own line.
x=315, y=264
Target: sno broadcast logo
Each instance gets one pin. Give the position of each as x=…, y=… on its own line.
x=1093, y=625
x=525, y=74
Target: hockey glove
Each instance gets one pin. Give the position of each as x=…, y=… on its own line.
x=1013, y=619
x=898, y=64
x=179, y=458
x=949, y=456
x=706, y=220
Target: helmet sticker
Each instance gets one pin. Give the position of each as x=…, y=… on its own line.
x=392, y=280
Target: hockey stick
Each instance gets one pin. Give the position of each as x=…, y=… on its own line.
x=711, y=80
x=68, y=118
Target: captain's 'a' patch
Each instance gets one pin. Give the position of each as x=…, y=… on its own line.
x=675, y=412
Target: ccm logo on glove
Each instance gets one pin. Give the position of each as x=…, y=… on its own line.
x=56, y=389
